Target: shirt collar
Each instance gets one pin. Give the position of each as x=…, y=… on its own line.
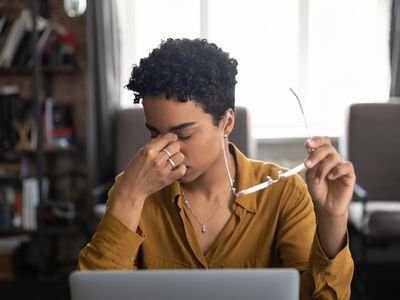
x=245, y=178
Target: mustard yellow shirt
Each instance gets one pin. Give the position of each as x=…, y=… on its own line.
x=275, y=227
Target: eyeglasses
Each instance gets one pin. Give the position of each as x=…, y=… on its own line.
x=281, y=175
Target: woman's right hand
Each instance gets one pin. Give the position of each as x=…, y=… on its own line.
x=153, y=167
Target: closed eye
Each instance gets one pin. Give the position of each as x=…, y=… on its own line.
x=184, y=138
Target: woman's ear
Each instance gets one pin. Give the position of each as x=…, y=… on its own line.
x=228, y=122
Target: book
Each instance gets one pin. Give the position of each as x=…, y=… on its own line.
x=10, y=207
x=11, y=108
x=24, y=54
x=16, y=39
x=13, y=38
x=30, y=202
x=3, y=22
x=10, y=169
x=48, y=122
x=17, y=219
x=7, y=24
x=24, y=50
x=7, y=199
x=44, y=37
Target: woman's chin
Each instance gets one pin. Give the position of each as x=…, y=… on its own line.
x=187, y=177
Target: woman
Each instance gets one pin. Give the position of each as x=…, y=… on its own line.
x=176, y=205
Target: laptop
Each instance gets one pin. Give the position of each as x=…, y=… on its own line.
x=232, y=284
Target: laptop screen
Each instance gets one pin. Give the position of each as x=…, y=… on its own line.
x=232, y=284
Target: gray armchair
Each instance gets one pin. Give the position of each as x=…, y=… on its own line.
x=373, y=146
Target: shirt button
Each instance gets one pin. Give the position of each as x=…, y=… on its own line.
x=322, y=262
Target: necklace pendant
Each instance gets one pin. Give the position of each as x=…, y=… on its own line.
x=203, y=229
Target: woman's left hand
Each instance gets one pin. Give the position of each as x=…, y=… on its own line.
x=330, y=179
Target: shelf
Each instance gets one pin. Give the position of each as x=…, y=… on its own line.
x=51, y=230
x=10, y=180
x=51, y=69
x=50, y=151
x=13, y=232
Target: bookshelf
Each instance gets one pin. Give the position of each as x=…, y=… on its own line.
x=60, y=81
x=49, y=230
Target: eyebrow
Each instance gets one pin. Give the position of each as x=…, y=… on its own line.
x=173, y=129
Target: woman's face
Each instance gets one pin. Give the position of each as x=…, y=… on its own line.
x=199, y=139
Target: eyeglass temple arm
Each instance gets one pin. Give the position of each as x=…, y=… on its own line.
x=292, y=171
x=270, y=181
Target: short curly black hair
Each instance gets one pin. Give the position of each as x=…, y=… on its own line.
x=186, y=70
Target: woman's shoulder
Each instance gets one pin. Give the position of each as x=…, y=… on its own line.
x=289, y=195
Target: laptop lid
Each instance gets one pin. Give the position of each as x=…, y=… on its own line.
x=232, y=284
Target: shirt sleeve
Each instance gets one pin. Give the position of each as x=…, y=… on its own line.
x=331, y=278
x=113, y=246
x=298, y=247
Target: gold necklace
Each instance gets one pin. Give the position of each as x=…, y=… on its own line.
x=202, y=224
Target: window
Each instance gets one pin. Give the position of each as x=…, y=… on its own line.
x=331, y=52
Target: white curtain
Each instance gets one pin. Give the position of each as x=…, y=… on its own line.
x=395, y=50
x=103, y=90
